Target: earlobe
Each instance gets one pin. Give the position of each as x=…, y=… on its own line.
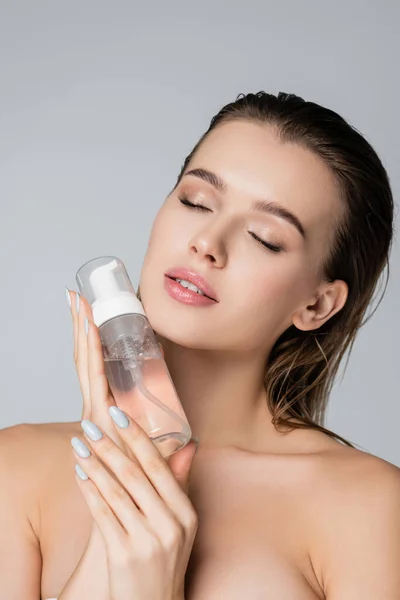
x=329, y=302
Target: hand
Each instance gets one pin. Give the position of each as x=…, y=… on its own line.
x=92, y=379
x=88, y=358
x=89, y=363
x=141, y=509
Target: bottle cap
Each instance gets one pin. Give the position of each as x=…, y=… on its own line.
x=105, y=284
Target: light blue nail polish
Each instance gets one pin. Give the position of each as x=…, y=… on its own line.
x=77, y=301
x=86, y=322
x=119, y=417
x=91, y=430
x=68, y=297
x=81, y=473
x=80, y=447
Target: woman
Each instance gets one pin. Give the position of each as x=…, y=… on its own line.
x=282, y=216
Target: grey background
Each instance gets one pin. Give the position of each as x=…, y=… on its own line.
x=99, y=104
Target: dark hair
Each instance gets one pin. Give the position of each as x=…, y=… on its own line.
x=302, y=364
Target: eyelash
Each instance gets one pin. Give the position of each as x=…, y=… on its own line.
x=202, y=208
x=186, y=202
x=275, y=249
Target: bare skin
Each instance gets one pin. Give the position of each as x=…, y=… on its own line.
x=268, y=522
x=281, y=515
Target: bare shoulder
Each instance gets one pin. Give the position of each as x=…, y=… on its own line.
x=354, y=469
x=338, y=471
x=347, y=475
x=22, y=444
x=30, y=457
x=28, y=452
x=355, y=507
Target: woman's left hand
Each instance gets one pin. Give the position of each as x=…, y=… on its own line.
x=141, y=509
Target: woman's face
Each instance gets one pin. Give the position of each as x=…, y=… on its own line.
x=257, y=289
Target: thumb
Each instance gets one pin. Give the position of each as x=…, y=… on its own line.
x=180, y=463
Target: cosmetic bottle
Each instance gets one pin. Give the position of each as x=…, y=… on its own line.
x=137, y=374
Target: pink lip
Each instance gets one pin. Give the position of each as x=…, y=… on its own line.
x=195, y=278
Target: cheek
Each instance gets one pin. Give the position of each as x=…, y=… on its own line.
x=267, y=295
x=168, y=236
x=268, y=283
x=159, y=231
x=165, y=247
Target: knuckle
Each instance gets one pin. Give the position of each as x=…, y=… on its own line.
x=119, y=492
x=107, y=446
x=123, y=557
x=100, y=506
x=103, y=509
x=150, y=549
x=129, y=471
x=96, y=470
x=156, y=463
x=191, y=520
x=134, y=436
x=173, y=536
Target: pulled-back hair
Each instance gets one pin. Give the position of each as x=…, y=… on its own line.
x=302, y=365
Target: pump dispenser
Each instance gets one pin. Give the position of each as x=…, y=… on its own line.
x=135, y=368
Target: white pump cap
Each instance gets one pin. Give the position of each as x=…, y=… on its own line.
x=105, y=283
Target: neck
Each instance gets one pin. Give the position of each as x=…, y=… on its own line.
x=223, y=396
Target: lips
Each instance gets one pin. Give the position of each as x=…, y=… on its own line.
x=195, y=278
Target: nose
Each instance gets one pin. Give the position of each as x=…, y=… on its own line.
x=209, y=246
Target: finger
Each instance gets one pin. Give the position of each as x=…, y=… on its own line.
x=180, y=463
x=100, y=400
x=107, y=522
x=78, y=310
x=113, y=492
x=131, y=476
x=71, y=301
x=153, y=464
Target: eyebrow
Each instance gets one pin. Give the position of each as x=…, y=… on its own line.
x=267, y=206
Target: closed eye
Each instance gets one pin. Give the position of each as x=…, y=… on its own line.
x=200, y=207
x=263, y=243
x=186, y=202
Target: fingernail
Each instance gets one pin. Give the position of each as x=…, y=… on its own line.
x=91, y=430
x=119, y=417
x=68, y=297
x=86, y=322
x=81, y=473
x=80, y=447
x=77, y=301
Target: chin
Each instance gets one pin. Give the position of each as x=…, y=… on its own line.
x=189, y=332
x=183, y=325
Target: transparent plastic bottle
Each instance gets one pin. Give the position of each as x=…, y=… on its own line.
x=135, y=368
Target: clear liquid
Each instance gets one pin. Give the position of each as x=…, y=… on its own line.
x=133, y=388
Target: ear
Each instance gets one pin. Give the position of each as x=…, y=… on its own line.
x=328, y=301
